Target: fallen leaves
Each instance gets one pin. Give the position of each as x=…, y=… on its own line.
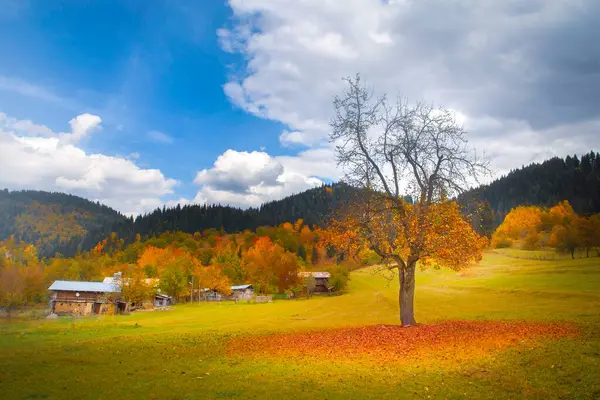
x=450, y=340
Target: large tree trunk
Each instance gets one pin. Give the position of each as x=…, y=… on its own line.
x=406, y=294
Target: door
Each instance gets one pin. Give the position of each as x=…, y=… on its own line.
x=96, y=308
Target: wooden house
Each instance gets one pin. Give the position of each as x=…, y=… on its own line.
x=321, y=280
x=84, y=298
x=242, y=291
x=162, y=300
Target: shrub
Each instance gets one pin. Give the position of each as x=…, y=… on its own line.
x=340, y=276
x=531, y=242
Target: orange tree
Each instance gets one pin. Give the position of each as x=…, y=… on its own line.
x=408, y=160
x=269, y=265
x=212, y=278
x=590, y=232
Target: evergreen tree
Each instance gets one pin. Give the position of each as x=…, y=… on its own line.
x=302, y=252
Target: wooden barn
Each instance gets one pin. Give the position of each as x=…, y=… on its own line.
x=84, y=298
x=242, y=291
x=321, y=280
x=162, y=300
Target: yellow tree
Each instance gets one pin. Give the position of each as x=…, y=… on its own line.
x=391, y=150
x=519, y=222
x=21, y=275
x=135, y=286
x=212, y=278
x=298, y=224
x=561, y=213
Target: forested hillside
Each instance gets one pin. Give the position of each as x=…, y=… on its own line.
x=53, y=222
x=57, y=222
x=313, y=206
x=544, y=184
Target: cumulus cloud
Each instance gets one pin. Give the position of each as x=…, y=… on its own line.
x=248, y=179
x=81, y=126
x=34, y=157
x=240, y=171
x=523, y=74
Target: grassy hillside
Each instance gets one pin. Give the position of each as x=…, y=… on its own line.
x=186, y=352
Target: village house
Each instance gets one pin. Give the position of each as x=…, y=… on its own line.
x=321, y=280
x=84, y=298
x=157, y=300
x=242, y=291
x=238, y=292
x=162, y=300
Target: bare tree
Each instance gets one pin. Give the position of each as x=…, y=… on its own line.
x=394, y=150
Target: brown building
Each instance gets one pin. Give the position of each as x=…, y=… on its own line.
x=321, y=280
x=84, y=298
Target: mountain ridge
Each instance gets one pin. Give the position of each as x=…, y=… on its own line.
x=64, y=223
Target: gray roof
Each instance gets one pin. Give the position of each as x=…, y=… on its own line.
x=241, y=287
x=76, y=286
x=306, y=274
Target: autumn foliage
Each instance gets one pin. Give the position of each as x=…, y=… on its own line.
x=559, y=227
x=176, y=263
x=440, y=234
x=452, y=340
x=21, y=275
x=269, y=265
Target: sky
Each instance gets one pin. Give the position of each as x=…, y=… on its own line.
x=141, y=104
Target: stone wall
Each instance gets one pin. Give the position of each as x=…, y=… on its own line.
x=73, y=308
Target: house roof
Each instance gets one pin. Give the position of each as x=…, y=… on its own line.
x=306, y=274
x=76, y=286
x=112, y=281
x=241, y=287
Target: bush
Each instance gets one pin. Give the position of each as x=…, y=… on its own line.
x=531, y=242
x=501, y=241
x=339, y=278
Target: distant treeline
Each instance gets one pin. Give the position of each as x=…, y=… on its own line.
x=574, y=179
x=65, y=224
x=313, y=206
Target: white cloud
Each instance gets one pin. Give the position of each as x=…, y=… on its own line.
x=24, y=127
x=513, y=71
x=160, y=137
x=34, y=157
x=240, y=171
x=81, y=126
x=248, y=179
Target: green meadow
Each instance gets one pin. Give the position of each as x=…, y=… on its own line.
x=183, y=353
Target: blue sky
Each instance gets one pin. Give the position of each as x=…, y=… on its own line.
x=142, y=103
x=142, y=66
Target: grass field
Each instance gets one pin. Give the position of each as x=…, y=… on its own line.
x=187, y=353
